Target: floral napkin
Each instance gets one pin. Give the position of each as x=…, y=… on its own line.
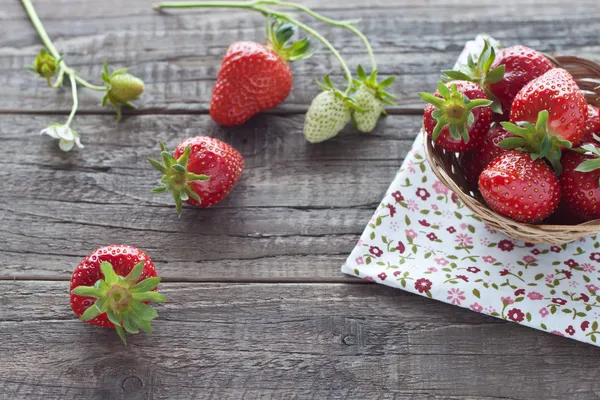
x=422, y=239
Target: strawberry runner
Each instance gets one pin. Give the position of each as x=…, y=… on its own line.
x=423, y=240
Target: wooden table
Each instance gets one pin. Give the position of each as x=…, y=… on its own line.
x=258, y=307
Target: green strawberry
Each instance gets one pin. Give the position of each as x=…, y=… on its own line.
x=122, y=88
x=328, y=114
x=371, y=97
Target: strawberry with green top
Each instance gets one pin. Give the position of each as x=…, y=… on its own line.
x=201, y=171
x=328, y=113
x=112, y=287
x=371, y=97
x=458, y=116
x=503, y=74
x=592, y=125
x=580, y=182
x=476, y=160
x=548, y=115
x=254, y=78
x=519, y=187
x=121, y=88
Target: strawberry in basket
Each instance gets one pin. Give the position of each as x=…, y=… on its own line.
x=580, y=182
x=502, y=75
x=458, y=116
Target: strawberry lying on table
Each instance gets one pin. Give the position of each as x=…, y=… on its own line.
x=254, y=77
x=111, y=288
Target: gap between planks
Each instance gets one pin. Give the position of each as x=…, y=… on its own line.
x=265, y=281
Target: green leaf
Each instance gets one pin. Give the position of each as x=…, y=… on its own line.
x=88, y=291
x=178, y=168
x=92, y=312
x=589, y=165
x=113, y=317
x=512, y=143
x=541, y=124
x=143, y=311
x=429, y=98
x=476, y=293
x=387, y=82
x=456, y=75
x=110, y=276
x=161, y=189
x=135, y=272
x=128, y=323
x=146, y=285
x=121, y=333
x=143, y=325
x=495, y=75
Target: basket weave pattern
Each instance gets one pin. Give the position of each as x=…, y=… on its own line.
x=445, y=165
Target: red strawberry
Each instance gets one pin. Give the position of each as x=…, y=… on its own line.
x=592, y=126
x=202, y=171
x=579, y=183
x=111, y=288
x=474, y=161
x=254, y=78
x=503, y=74
x=457, y=117
x=520, y=188
x=556, y=92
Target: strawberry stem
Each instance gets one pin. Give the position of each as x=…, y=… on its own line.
x=258, y=5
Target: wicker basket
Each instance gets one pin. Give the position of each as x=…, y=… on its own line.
x=446, y=167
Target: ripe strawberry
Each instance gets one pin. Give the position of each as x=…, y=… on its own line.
x=111, y=288
x=328, y=113
x=254, y=78
x=476, y=160
x=371, y=97
x=520, y=188
x=592, y=126
x=579, y=183
x=556, y=92
x=202, y=171
x=503, y=74
x=457, y=117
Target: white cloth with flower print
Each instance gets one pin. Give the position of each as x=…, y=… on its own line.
x=422, y=240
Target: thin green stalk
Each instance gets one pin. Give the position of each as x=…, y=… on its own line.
x=342, y=24
x=256, y=6
x=75, y=100
x=88, y=85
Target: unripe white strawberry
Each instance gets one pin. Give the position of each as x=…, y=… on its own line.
x=327, y=115
x=366, y=98
x=369, y=99
x=121, y=88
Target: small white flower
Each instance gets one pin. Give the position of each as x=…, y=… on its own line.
x=67, y=137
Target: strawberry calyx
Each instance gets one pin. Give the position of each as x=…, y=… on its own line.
x=123, y=299
x=536, y=140
x=453, y=110
x=479, y=73
x=327, y=85
x=278, y=39
x=590, y=164
x=377, y=87
x=176, y=178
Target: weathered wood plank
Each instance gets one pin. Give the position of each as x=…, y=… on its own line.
x=178, y=53
x=296, y=214
x=281, y=342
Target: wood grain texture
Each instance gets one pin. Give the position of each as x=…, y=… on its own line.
x=262, y=341
x=178, y=53
x=295, y=215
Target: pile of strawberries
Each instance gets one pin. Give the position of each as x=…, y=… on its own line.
x=526, y=136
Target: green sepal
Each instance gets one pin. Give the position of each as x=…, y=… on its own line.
x=122, y=299
x=279, y=34
x=589, y=165
x=479, y=73
x=453, y=110
x=378, y=87
x=536, y=140
x=176, y=177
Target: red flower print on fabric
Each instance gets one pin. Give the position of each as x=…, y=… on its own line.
x=432, y=236
x=398, y=196
x=451, y=229
x=519, y=292
x=515, y=315
x=595, y=257
x=423, y=285
x=555, y=249
x=585, y=325
x=506, y=245
x=473, y=270
x=560, y=302
x=571, y=263
x=382, y=276
x=423, y=194
x=570, y=330
x=455, y=296
x=535, y=296
x=376, y=251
